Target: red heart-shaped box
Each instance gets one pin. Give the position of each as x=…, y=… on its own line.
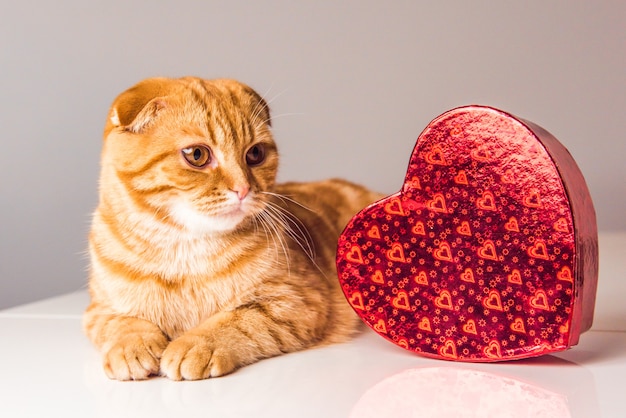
x=488, y=253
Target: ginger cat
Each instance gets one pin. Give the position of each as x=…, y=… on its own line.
x=200, y=263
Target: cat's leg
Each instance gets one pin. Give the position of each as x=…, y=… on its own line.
x=231, y=339
x=131, y=347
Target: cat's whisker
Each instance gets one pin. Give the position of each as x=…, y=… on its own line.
x=274, y=117
x=287, y=198
x=276, y=96
x=274, y=232
x=304, y=234
x=268, y=234
x=258, y=108
x=294, y=228
x=300, y=235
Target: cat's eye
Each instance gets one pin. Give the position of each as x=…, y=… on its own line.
x=255, y=155
x=198, y=156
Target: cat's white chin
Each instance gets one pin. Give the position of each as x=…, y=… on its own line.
x=196, y=222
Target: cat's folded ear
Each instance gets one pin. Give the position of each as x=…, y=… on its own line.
x=136, y=108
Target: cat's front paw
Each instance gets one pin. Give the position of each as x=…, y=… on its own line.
x=193, y=357
x=134, y=356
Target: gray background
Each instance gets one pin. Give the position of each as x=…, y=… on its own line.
x=351, y=85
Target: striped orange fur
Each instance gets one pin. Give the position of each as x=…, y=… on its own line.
x=200, y=263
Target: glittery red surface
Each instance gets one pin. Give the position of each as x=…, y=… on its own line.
x=489, y=251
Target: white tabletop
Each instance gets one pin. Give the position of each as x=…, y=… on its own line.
x=48, y=368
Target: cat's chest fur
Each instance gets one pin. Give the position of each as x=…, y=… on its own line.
x=180, y=278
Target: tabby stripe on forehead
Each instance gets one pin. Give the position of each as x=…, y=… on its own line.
x=224, y=122
x=229, y=120
x=246, y=129
x=199, y=98
x=228, y=127
x=244, y=124
x=234, y=99
x=200, y=94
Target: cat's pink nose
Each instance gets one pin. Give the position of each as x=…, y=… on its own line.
x=241, y=190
